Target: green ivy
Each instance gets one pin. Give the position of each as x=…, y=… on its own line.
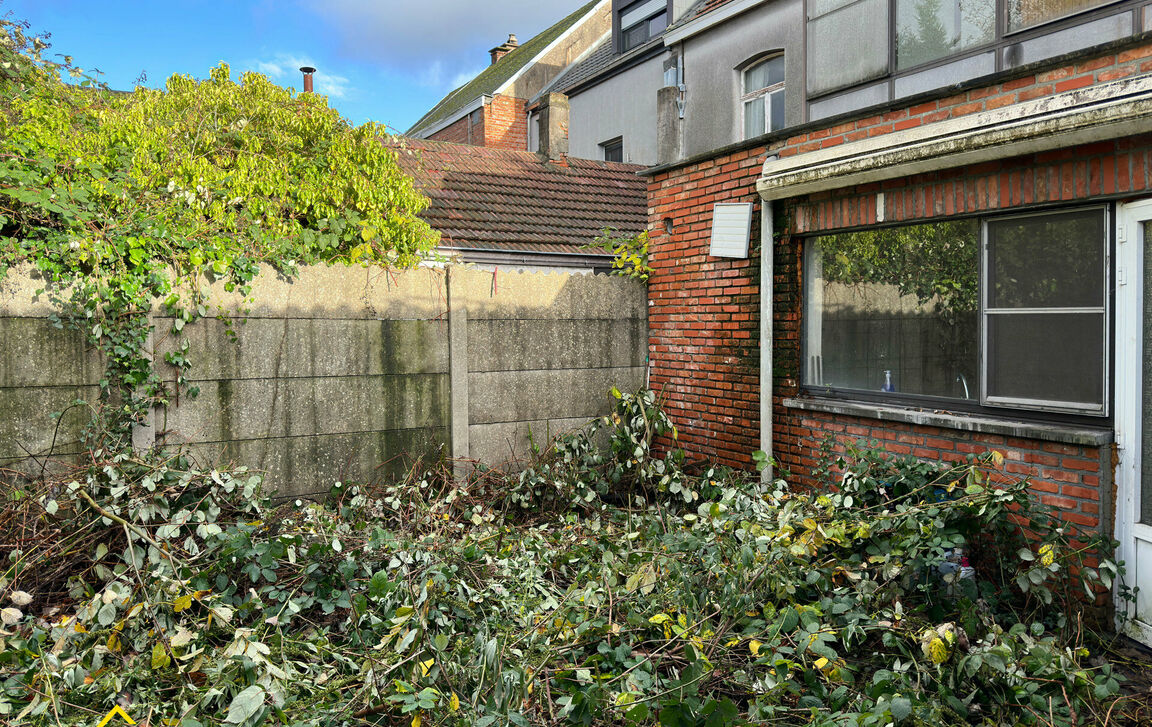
x=126, y=200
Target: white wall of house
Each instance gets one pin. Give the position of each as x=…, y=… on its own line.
x=621, y=106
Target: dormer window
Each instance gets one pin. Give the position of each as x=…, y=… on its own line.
x=641, y=21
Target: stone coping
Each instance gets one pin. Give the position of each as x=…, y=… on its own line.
x=1062, y=433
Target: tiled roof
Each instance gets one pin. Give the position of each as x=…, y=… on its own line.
x=483, y=198
x=494, y=76
x=712, y=5
x=599, y=59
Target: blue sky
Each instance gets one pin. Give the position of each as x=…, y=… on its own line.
x=385, y=60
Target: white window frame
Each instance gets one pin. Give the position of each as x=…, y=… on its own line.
x=763, y=95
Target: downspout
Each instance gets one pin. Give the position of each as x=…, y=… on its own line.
x=767, y=255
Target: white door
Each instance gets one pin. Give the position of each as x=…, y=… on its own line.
x=1134, y=410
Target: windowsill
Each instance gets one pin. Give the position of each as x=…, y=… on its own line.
x=1064, y=434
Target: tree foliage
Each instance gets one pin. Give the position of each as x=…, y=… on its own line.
x=121, y=199
x=937, y=263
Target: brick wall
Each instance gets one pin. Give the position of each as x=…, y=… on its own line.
x=506, y=123
x=1066, y=476
x=461, y=131
x=1074, y=174
x=704, y=310
x=704, y=322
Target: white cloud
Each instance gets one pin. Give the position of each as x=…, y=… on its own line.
x=461, y=78
x=284, y=69
x=441, y=41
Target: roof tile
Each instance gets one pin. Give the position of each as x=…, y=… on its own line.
x=484, y=198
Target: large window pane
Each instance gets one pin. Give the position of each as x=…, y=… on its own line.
x=1047, y=261
x=1047, y=358
x=1025, y=13
x=765, y=74
x=895, y=309
x=931, y=29
x=848, y=45
x=776, y=109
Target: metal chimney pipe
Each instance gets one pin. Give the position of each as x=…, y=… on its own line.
x=307, y=71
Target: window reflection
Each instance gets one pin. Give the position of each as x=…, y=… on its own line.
x=895, y=310
x=1026, y=13
x=930, y=29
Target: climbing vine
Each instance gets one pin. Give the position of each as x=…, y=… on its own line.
x=123, y=201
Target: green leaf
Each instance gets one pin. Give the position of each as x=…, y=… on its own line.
x=160, y=658
x=245, y=704
x=106, y=615
x=901, y=708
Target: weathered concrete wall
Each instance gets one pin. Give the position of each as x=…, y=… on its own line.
x=543, y=350
x=348, y=373
x=43, y=370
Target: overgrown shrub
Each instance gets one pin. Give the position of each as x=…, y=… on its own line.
x=486, y=602
x=123, y=201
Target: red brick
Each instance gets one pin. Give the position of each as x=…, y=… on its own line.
x=1133, y=54
x=1084, y=493
x=1089, y=465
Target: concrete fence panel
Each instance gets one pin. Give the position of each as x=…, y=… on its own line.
x=345, y=373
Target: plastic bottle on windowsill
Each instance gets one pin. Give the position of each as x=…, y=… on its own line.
x=888, y=386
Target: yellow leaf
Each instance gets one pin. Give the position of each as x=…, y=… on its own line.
x=182, y=603
x=659, y=618
x=754, y=647
x=426, y=666
x=160, y=658
x=416, y=720
x=454, y=702
x=114, y=642
x=79, y=628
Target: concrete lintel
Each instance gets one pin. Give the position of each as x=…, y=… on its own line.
x=1064, y=434
x=1106, y=111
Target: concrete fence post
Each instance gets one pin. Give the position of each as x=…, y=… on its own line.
x=144, y=433
x=458, y=376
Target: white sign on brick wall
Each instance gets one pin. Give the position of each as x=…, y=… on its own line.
x=731, y=228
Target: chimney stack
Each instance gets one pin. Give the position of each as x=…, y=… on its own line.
x=553, y=120
x=504, y=48
x=307, y=71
